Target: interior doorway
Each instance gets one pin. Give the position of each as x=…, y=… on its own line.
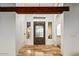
x=39, y=33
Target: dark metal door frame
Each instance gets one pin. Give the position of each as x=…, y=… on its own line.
x=39, y=40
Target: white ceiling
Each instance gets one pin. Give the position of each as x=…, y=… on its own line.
x=30, y=4
x=7, y=4
x=39, y=4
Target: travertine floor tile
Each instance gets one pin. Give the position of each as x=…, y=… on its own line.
x=39, y=50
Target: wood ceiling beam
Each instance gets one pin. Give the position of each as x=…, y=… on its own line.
x=7, y=9
x=35, y=10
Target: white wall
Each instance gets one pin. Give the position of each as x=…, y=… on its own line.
x=20, y=38
x=59, y=20
x=71, y=30
x=7, y=33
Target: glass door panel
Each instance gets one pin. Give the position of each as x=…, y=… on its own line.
x=39, y=31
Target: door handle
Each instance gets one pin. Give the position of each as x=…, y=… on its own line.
x=24, y=33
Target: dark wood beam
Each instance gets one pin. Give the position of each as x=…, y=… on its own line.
x=7, y=9
x=35, y=10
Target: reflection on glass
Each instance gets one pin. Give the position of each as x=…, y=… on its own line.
x=39, y=31
x=49, y=30
x=28, y=30
x=59, y=29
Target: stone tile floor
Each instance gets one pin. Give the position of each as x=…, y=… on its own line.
x=39, y=50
